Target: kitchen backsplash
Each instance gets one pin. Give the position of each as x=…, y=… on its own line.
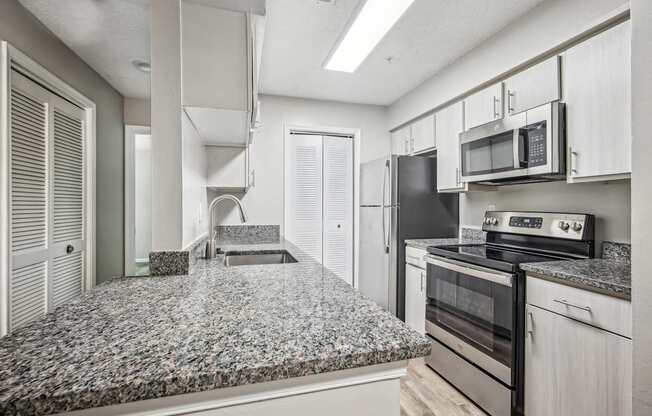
x=248, y=234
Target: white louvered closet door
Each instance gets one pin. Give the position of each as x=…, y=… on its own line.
x=338, y=206
x=303, y=193
x=46, y=201
x=67, y=196
x=28, y=201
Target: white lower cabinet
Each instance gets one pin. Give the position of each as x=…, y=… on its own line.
x=415, y=298
x=573, y=368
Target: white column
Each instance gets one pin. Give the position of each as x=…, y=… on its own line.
x=167, y=228
x=641, y=204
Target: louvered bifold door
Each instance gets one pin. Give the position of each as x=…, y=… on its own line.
x=338, y=206
x=28, y=201
x=67, y=215
x=303, y=193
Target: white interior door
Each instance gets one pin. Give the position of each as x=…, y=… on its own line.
x=303, y=193
x=338, y=206
x=47, y=166
x=319, y=199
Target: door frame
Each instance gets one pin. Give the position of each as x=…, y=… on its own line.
x=11, y=57
x=357, y=136
x=129, y=162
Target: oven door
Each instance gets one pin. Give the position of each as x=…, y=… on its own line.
x=471, y=309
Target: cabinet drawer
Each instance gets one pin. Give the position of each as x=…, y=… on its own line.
x=602, y=311
x=414, y=256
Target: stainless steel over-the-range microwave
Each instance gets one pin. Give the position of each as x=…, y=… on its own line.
x=525, y=147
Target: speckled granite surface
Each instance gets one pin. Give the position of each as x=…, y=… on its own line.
x=616, y=251
x=607, y=276
x=471, y=237
x=248, y=234
x=142, y=338
x=164, y=263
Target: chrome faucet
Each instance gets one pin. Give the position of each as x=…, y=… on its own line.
x=210, y=244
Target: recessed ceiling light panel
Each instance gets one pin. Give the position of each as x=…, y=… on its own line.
x=373, y=21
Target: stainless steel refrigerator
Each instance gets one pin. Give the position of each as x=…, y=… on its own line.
x=398, y=201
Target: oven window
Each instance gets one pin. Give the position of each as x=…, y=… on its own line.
x=488, y=155
x=477, y=311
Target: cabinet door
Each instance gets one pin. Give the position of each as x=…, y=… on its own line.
x=226, y=167
x=533, y=87
x=216, y=58
x=423, y=134
x=597, y=92
x=574, y=369
x=484, y=106
x=401, y=141
x=415, y=298
x=449, y=123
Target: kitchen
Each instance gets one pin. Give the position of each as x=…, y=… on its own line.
x=484, y=113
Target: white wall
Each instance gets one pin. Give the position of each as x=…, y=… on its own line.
x=142, y=195
x=642, y=204
x=167, y=210
x=137, y=112
x=195, y=223
x=550, y=24
x=264, y=202
x=609, y=202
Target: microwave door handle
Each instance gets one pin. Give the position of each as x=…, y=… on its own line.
x=522, y=148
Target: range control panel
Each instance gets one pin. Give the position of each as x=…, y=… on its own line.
x=545, y=224
x=526, y=222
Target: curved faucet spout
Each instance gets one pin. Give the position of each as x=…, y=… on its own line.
x=210, y=245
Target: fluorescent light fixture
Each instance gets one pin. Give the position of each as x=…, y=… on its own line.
x=373, y=21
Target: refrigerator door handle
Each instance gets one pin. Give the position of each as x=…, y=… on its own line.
x=384, y=207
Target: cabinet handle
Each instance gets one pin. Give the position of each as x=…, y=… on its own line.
x=496, y=101
x=457, y=176
x=421, y=282
x=411, y=144
x=530, y=326
x=405, y=146
x=572, y=305
x=573, y=154
x=510, y=107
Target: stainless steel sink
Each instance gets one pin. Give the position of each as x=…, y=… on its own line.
x=234, y=258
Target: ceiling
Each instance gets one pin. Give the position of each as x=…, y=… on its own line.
x=108, y=35
x=430, y=35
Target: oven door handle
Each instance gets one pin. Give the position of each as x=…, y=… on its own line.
x=483, y=273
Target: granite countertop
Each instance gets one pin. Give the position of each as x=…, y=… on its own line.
x=424, y=243
x=143, y=338
x=607, y=276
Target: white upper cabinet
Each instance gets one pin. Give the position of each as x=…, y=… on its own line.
x=449, y=123
x=401, y=140
x=423, y=134
x=597, y=92
x=533, y=87
x=484, y=106
x=220, y=63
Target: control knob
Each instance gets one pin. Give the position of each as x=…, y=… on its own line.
x=494, y=221
x=564, y=225
x=577, y=226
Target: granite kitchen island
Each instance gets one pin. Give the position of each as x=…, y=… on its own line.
x=264, y=339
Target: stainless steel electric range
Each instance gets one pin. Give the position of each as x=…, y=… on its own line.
x=475, y=309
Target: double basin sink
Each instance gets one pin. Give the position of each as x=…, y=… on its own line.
x=250, y=258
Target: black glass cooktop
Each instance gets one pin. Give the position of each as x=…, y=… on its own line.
x=486, y=255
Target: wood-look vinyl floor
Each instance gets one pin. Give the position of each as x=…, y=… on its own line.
x=425, y=393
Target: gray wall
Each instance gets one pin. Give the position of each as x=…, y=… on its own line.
x=641, y=204
x=26, y=33
x=137, y=112
x=609, y=202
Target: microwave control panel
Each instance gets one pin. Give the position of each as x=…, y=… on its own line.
x=536, y=138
